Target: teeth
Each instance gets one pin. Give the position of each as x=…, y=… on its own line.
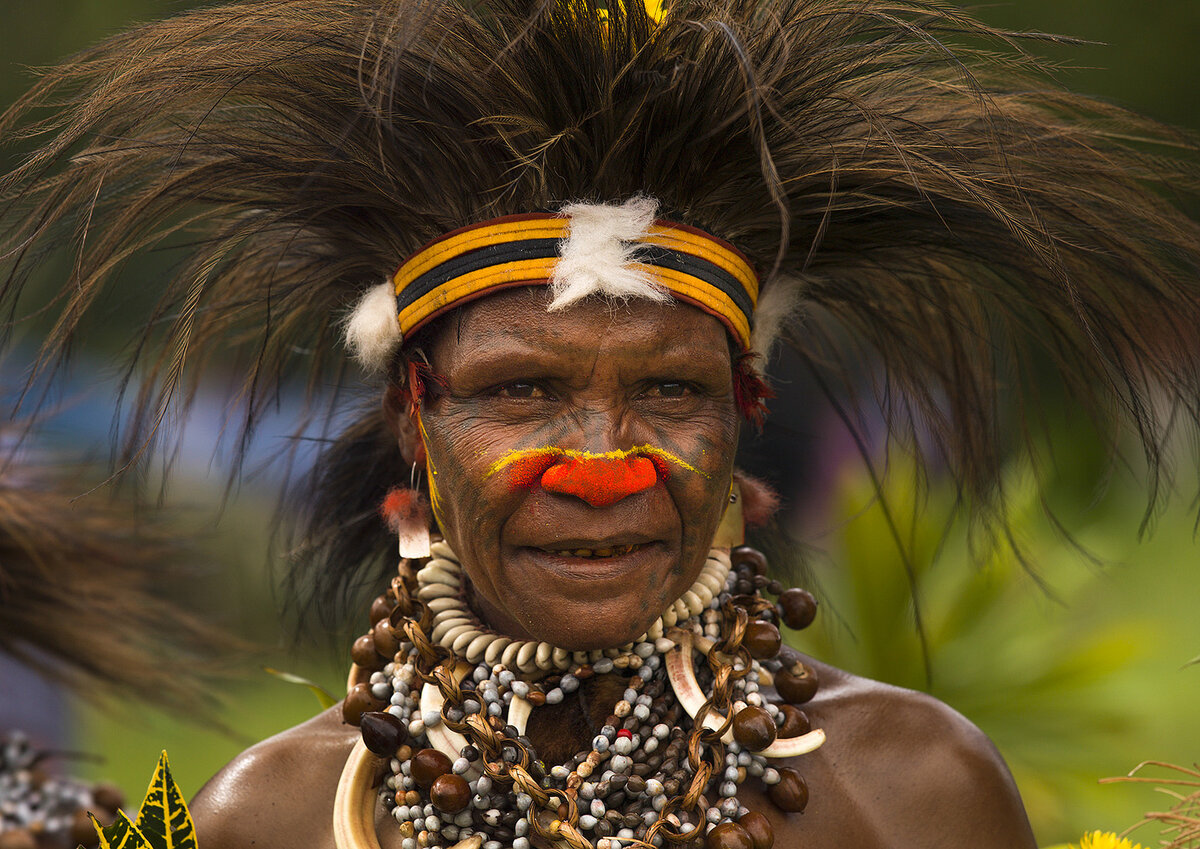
x=615, y=551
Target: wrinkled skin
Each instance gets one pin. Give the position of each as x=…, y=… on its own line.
x=899, y=769
x=593, y=378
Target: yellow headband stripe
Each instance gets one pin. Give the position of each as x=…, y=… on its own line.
x=524, y=250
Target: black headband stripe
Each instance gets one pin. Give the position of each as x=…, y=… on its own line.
x=480, y=258
x=701, y=269
x=520, y=249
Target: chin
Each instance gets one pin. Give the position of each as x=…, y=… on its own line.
x=598, y=623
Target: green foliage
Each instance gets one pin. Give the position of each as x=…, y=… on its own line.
x=163, y=822
x=326, y=699
x=1074, y=670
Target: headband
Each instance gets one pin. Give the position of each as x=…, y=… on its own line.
x=522, y=250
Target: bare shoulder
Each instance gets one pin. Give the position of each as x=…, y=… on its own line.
x=278, y=793
x=901, y=769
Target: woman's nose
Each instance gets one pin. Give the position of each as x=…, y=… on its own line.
x=602, y=479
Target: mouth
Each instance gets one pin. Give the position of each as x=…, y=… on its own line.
x=596, y=553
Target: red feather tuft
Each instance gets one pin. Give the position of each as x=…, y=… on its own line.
x=403, y=507
x=750, y=391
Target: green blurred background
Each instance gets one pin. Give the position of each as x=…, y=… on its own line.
x=1074, y=681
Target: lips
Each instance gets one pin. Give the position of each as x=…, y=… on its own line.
x=593, y=562
x=595, y=553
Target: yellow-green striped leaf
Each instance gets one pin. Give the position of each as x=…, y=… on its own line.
x=122, y=834
x=164, y=819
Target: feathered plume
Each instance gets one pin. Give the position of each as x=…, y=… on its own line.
x=85, y=595
x=936, y=204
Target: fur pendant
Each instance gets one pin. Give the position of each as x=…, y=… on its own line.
x=406, y=513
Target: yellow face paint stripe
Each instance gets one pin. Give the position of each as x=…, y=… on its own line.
x=435, y=500
x=517, y=454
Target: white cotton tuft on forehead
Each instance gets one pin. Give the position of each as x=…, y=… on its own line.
x=596, y=258
x=373, y=330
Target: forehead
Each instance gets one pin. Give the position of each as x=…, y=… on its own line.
x=518, y=319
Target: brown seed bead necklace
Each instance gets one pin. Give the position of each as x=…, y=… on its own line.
x=665, y=767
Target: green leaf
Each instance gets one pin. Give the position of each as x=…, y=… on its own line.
x=164, y=817
x=122, y=834
x=323, y=695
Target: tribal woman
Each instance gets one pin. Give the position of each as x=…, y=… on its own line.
x=560, y=240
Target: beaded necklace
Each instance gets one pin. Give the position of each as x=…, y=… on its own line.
x=443, y=702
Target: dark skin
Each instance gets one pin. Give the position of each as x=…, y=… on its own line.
x=899, y=769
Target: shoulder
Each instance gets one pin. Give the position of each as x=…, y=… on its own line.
x=900, y=768
x=278, y=793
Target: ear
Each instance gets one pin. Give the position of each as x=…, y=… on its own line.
x=401, y=417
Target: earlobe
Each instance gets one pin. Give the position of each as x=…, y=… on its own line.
x=401, y=417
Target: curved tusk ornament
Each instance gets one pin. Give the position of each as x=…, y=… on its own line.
x=681, y=672
x=449, y=743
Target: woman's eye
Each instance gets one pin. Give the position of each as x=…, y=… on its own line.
x=521, y=389
x=669, y=390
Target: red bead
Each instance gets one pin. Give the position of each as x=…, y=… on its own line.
x=427, y=766
x=797, y=608
x=728, y=835
x=759, y=828
x=754, y=728
x=797, y=683
x=791, y=793
x=450, y=793
x=625, y=732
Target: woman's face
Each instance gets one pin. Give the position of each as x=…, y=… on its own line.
x=592, y=378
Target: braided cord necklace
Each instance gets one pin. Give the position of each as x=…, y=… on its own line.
x=443, y=702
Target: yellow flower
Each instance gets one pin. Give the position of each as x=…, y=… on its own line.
x=1106, y=840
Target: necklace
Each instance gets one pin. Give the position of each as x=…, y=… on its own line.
x=443, y=702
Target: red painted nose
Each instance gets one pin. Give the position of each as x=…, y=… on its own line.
x=600, y=481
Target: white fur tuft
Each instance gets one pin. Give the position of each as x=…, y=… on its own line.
x=777, y=303
x=373, y=330
x=596, y=258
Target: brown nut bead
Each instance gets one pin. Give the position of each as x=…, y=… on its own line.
x=363, y=653
x=791, y=793
x=386, y=641
x=728, y=835
x=797, y=683
x=359, y=701
x=450, y=793
x=762, y=640
x=746, y=556
x=381, y=608
x=427, y=766
x=795, y=722
x=797, y=608
x=383, y=733
x=754, y=728
x=759, y=828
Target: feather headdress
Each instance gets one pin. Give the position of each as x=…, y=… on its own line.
x=85, y=593
x=906, y=183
